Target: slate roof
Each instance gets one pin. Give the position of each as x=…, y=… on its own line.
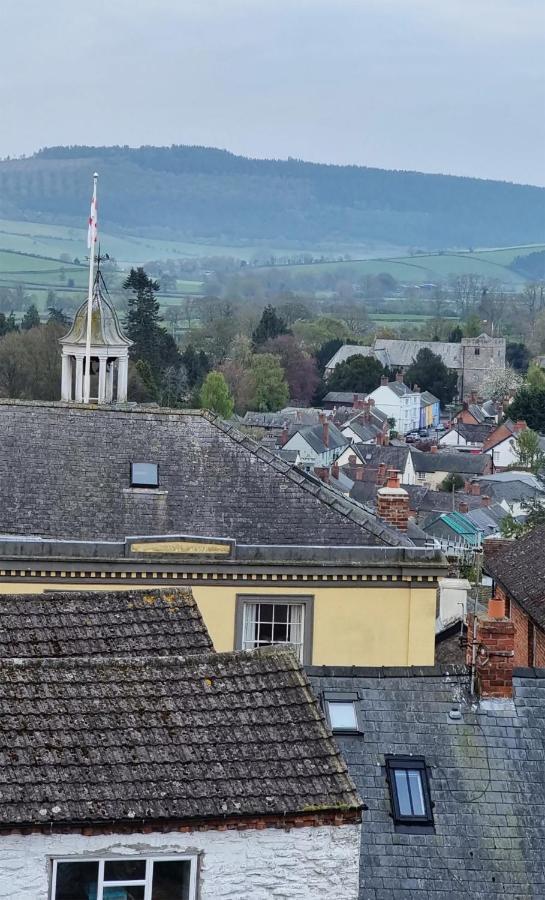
x=125, y=740
x=113, y=623
x=399, y=388
x=450, y=461
x=403, y=353
x=428, y=399
x=474, y=434
x=346, y=352
x=65, y=473
x=392, y=456
x=314, y=436
x=520, y=569
x=519, y=486
x=487, y=782
x=365, y=431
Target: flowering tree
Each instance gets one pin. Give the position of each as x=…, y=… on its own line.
x=500, y=383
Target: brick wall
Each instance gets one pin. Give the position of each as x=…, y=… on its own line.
x=520, y=621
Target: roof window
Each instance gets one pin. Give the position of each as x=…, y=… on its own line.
x=144, y=475
x=342, y=712
x=409, y=790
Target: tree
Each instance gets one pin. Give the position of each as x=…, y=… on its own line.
x=294, y=309
x=300, y=369
x=7, y=324
x=453, y=482
x=270, y=326
x=30, y=363
x=316, y=333
x=270, y=389
x=360, y=374
x=216, y=396
x=500, y=383
x=456, y=335
x=528, y=449
x=241, y=383
x=151, y=342
x=196, y=364
x=31, y=318
x=326, y=352
x=430, y=373
x=58, y=315
x=517, y=356
x=535, y=376
x=528, y=405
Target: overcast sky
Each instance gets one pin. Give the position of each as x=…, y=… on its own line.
x=454, y=86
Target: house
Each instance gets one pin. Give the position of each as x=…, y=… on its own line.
x=399, y=403
x=430, y=410
x=452, y=778
x=371, y=457
x=138, y=496
x=317, y=445
x=368, y=426
x=501, y=444
x=164, y=770
x=510, y=489
x=432, y=468
x=518, y=572
x=462, y=436
x=474, y=413
x=344, y=399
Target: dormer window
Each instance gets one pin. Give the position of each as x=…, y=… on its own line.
x=144, y=475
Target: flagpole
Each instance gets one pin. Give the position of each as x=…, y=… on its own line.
x=92, y=233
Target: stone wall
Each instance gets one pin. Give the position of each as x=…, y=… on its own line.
x=266, y=864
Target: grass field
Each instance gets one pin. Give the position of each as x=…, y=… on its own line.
x=429, y=267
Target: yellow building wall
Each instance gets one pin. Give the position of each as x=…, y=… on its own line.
x=361, y=626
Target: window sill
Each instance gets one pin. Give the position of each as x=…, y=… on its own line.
x=154, y=492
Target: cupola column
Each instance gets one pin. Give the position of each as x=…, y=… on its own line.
x=66, y=385
x=102, y=362
x=122, y=379
x=79, y=379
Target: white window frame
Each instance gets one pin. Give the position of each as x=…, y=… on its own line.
x=147, y=882
x=305, y=601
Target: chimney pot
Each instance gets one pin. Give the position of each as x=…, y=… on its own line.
x=433, y=448
x=463, y=507
x=399, y=376
x=485, y=500
x=325, y=433
x=496, y=608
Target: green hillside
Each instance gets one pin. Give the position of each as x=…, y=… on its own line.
x=489, y=264
x=199, y=195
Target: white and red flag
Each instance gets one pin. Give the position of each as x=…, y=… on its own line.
x=92, y=231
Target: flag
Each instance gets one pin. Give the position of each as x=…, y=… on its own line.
x=93, y=222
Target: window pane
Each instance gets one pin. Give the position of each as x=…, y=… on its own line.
x=124, y=893
x=171, y=880
x=265, y=632
x=280, y=632
x=281, y=612
x=124, y=870
x=417, y=794
x=77, y=881
x=144, y=474
x=266, y=612
x=342, y=715
x=402, y=790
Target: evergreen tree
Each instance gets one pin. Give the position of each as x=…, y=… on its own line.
x=31, y=318
x=529, y=406
x=151, y=342
x=57, y=315
x=456, y=335
x=326, y=352
x=270, y=326
x=147, y=378
x=216, y=396
x=430, y=373
x=197, y=365
x=360, y=374
x=517, y=356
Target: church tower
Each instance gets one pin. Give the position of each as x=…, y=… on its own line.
x=109, y=353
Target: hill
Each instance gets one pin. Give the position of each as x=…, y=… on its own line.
x=204, y=195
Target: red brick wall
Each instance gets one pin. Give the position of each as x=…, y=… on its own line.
x=520, y=621
x=494, y=663
x=539, y=660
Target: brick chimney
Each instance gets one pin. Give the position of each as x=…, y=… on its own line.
x=485, y=500
x=352, y=459
x=416, y=389
x=335, y=470
x=473, y=397
x=520, y=426
x=399, y=376
x=463, y=507
x=475, y=488
x=495, y=652
x=381, y=474
x=433, y=448
x=365, y=414
x=322, y=472
x=284, y=435
x=393, y=502
x=383, y=380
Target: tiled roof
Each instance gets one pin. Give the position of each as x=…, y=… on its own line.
x=486, y=776
x=520, y=569
x=106, y=740
x=450, y=461
x=65, y=473
x=113, y=623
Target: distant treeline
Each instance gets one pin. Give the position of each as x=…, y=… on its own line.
x=199, y=193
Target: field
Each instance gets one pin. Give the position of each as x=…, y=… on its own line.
x=422, y=268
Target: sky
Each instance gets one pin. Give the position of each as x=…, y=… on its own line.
x=453, y=86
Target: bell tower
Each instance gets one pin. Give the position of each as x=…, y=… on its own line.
x=109, y=353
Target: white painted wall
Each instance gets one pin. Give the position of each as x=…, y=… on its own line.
x=505, y=454
x=405, y=410
x=301, y=864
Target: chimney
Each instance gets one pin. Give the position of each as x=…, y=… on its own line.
x=467, y=487
x=433, y=448
x=485, y=500
x=473, y=397
x=399, y=376
x=322, y=472
x=284, y=436
x=463, y=507
x=383, y=380
x=520, y=426
x=352, y=460
x=495, y=652
x=381, y=473
x=360, y=468
x=335, y=469
x=365, y=407
x=325, y=432
x=475, y=489
x=492, y=545
x=393, y=502
x=416, y=389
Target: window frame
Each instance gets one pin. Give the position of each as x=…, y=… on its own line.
x=148, y=485
x=411, y=764
x=147, y=882
x=305, y=600
x=343, y=697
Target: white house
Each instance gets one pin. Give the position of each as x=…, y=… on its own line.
x=399, y=403
x=190, y=776
x=501, y=444
x=469, y=437
x=317, y=445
